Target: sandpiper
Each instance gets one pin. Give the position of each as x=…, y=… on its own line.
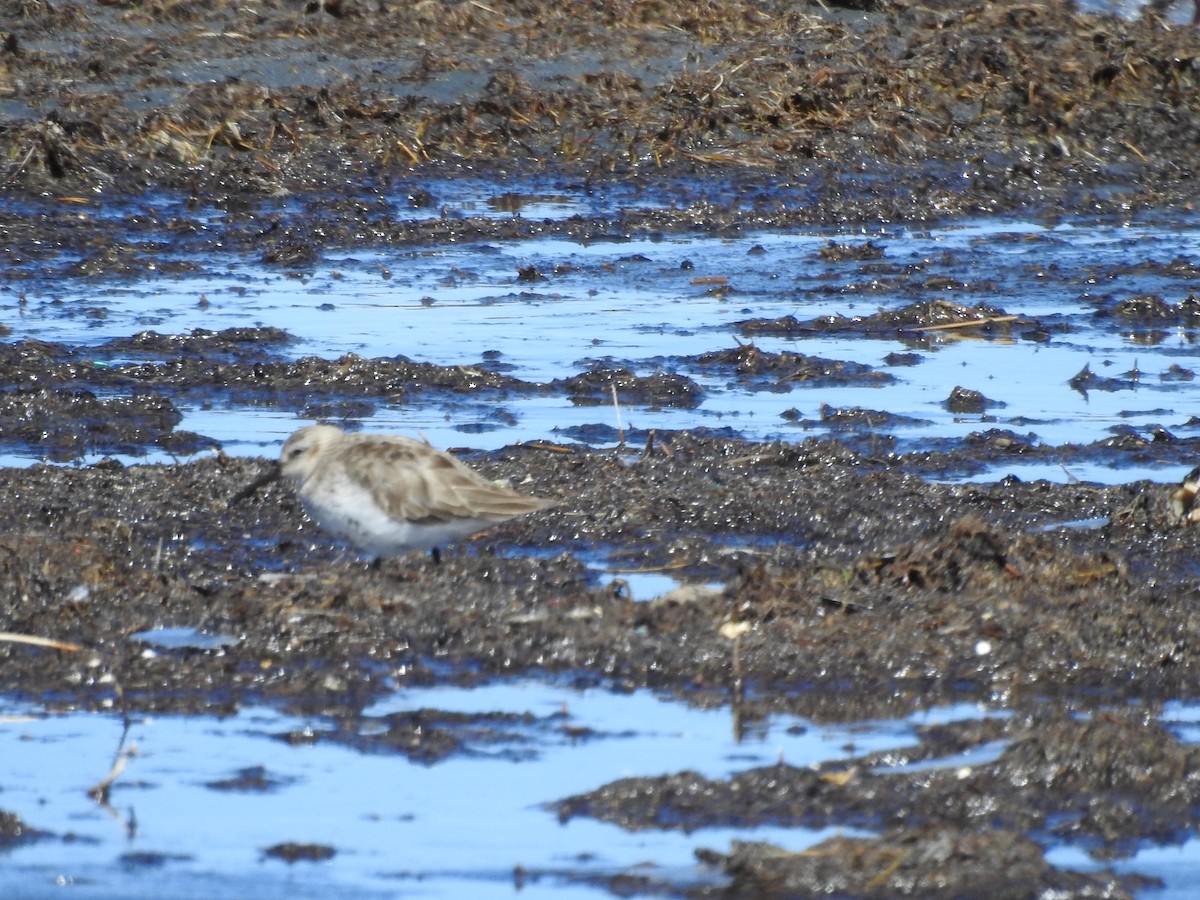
x=388, y=494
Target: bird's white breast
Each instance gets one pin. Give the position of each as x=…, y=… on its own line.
x=349, y=509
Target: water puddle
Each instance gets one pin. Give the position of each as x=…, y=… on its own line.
x=183, y=639
x=205, y=804
x=201, y=800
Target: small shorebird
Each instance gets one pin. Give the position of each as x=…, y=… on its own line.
x=388, y=494
x=1183, y=499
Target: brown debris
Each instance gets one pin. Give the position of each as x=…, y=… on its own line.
x=924, y=316
x=933, y=862
x=1008, y=94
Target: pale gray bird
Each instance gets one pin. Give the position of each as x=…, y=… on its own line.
x=388, y=494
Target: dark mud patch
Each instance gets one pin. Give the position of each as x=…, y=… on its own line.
x=757, y=369
x=1153, y=310
x=915, y=321
x=846, y=569
x=834, y=251
x=933, y=862
x=143, y=860
x=254, y=779
x=293, y=852
x=228, y=345
x=68, y=424
x=428, y=736
x=968, y=400
x=603, y=384
x=868, y=420
x=14, y=832
x=1086, y=380
x=291, y=384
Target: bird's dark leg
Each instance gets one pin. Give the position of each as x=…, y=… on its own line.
x=436, y=554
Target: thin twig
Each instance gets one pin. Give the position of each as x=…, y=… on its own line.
x=100, y=791
x=971, y=323
x=13, y=637
x=617, y=407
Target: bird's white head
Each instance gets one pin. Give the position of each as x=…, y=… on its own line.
x=302, y=452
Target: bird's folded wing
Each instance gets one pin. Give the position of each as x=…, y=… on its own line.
x=420, y=484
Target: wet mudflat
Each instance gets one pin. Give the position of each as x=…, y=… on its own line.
x=800, y=595
x=831, y=566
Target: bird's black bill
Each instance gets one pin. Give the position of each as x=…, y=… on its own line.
x=263, y=480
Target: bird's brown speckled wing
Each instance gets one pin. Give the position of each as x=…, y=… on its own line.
x=416, y=482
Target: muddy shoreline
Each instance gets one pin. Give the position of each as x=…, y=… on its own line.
x=828, y=577
x=815, y=582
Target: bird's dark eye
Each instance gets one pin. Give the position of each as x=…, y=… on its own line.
x=296, y=451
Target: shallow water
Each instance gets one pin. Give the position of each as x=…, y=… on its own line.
x=631, y=302
x=477, y=823
x=399, y=828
